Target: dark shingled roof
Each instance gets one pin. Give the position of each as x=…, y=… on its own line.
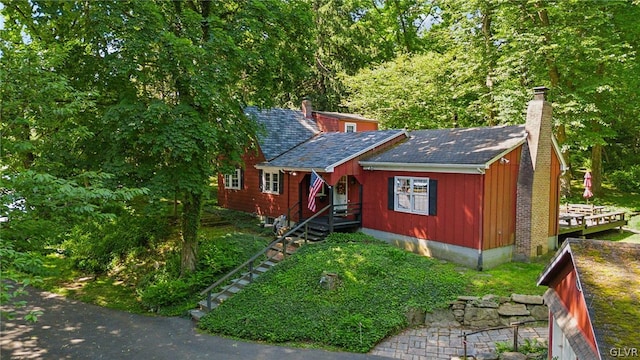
x=453, y=146
x=284, y=129
x=331, y=149
x=609, y=273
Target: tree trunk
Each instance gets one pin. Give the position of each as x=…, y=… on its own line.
x=489, y=59
x=554, y=79
x=565, y=178
x=596, y=169
x=191, y=210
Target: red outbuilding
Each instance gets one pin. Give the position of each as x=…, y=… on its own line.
x=593, y=299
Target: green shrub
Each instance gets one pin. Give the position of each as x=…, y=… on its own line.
x=221, y=253
x=627, y=180
x=165, y=293
x=93, y=246
x=533, y=348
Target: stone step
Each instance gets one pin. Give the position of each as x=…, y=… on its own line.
x=203, y=305
x=196, y=314
x=241, y=282
x=291, y=248
x=232, y=289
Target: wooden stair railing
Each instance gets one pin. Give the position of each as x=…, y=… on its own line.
x=250, y=263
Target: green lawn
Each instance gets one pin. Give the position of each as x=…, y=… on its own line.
x=61, y=278
x=509, y=278
x=378, y=284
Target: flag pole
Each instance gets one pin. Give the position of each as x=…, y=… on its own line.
x=321, y=178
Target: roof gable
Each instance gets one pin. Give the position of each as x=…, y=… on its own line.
x=282, y=129
x=475, y=147
x=609, y=276
x=328, y=150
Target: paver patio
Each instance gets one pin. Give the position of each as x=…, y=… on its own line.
x=429, y=343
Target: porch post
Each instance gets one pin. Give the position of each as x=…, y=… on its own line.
x=300, y=200
x=359, y=216
x=331, y=209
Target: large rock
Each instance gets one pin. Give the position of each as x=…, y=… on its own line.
x=415, y=316
x=481, y=317
x=527, y=299
x=441, y=318
x=487, y=356
x=513, y=310
x=539, y=312
x=487, y=301
x=458, y=305
x=513, y=356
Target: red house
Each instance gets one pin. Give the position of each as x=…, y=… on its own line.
x=476, y=196
x=594, y=300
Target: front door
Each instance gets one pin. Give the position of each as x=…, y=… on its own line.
x=340, y=195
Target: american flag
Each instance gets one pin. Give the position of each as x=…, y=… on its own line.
x=314, y=187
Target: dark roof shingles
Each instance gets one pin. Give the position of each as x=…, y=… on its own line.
x=284, y=129
x=328, y=149
x=453, y=146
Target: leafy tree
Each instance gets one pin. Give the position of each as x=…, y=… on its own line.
x=43, y=192
x=354, y=34
x=168, y=82
x=414, y=92
x=497, y=51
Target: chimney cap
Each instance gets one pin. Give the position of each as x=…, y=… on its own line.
x=539, y=92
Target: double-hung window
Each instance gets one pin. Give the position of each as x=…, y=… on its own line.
x=271, y=182
x=350, y=127
x=411, y=194
x=233, y=181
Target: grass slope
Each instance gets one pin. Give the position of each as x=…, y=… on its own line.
x=378, y=284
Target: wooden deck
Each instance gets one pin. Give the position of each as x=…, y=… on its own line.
x=343, y=217
x=580, y=219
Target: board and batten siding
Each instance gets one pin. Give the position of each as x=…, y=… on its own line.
x=457, y=220
x=499, y=206
x=566, y=286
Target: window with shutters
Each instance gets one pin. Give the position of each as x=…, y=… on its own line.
x=271, y=182
x=411, y=195
x=233, y=181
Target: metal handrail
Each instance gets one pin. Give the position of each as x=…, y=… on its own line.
x=257, y=255
x=513, y=325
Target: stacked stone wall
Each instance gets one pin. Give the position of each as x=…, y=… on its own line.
x=485, y=312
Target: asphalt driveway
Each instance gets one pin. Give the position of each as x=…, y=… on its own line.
x=75, y=330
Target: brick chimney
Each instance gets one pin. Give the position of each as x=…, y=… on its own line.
x=534, y=182
x=307, y=109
